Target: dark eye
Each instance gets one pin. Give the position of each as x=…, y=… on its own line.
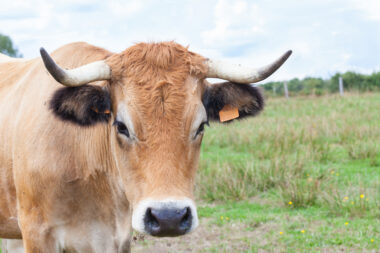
x=122, y=128
x=201, y=128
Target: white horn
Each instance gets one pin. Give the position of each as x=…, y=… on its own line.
x=94, y=71
x=243, y=74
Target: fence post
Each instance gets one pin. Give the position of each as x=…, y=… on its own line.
x=286, y=90
x=274, y=90
x=341, y=86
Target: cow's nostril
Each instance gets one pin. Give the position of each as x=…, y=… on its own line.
x=168, y=222
x=151, y=221
x=186, y=219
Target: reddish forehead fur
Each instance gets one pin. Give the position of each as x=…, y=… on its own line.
x=165, y=60
x=157, y=73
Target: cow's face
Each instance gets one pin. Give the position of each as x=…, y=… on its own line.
x=156, y=106
x=157, y=133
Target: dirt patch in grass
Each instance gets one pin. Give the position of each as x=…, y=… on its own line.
x=293, y=232
x=208, y=237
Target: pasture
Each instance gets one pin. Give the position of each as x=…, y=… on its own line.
x=304, y=176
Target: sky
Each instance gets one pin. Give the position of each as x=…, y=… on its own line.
x=326, y=36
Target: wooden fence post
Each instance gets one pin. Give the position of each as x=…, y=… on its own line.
x=341, y=86
x=286, y=90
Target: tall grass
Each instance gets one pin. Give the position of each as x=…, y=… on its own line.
x=296, y=148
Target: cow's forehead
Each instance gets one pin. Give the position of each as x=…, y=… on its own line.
x=161, y=86
x=150, y=63
x=160, y=107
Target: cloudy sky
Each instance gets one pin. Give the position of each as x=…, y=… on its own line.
x=326, y=35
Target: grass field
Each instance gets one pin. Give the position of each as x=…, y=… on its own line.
x=304, y=176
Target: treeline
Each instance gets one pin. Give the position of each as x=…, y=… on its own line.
x=317, y=86
x=7, y=47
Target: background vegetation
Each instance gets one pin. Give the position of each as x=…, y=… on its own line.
x=7, y=47
x=317, y=86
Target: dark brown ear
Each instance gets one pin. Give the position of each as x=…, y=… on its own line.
x=84, y=105
x=246, y=98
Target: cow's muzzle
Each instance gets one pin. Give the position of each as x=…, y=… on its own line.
x=165, y=218
x=168, y=222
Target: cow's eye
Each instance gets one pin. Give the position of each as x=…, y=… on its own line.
x=121, y=128
x=201, y=128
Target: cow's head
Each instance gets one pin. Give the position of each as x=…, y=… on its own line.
x=155, y=104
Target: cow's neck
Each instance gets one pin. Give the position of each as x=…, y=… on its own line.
x=99, y=184
x=104, y=209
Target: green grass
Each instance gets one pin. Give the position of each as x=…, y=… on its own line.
x=321, y=231
x=307, y=150
x=312, y=159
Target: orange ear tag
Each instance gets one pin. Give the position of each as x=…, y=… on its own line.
x=228, y=113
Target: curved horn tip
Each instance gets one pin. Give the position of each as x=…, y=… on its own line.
x=44, y=54
x=288, y=53
x=42, y=50
x=55, y=71
x=282, y=60
x=285, y=56
x=271, y=68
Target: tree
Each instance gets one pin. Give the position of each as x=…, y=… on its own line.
x=7, y=47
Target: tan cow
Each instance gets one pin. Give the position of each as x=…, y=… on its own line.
x=115, y=149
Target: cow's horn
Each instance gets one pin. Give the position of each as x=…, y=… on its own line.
x=94, y=71
x=243, y=74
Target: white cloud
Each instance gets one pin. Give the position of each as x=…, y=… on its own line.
x=326, y=36
x=369, y=8
x=236, y=22
x=125, y=8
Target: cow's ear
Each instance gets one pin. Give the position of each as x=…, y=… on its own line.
x=84, y=105
x=244, y=98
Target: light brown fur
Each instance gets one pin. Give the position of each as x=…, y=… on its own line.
x=56, y=174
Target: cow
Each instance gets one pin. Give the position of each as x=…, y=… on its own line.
x=95, y=143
